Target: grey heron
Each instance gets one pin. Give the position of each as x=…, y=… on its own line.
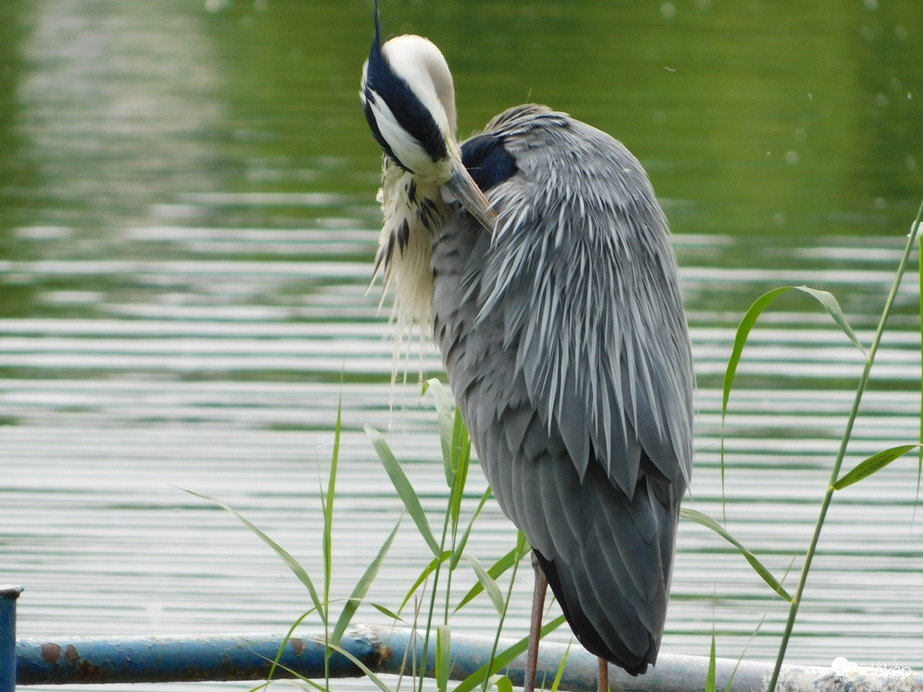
x=541, y=258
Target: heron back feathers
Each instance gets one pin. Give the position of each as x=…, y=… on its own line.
x=585, y=278
x=565, y=341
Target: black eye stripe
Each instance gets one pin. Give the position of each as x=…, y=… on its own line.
x=367, y=101
x=408, y=110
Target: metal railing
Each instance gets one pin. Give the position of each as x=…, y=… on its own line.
x=382, y=650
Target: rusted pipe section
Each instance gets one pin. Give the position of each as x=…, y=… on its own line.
x=101, y=660
x=387, y=650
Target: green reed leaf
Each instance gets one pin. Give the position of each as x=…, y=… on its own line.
x=387, y=612
x=287, y=558
x=873, y=464
x=494, y=571
x=403, y=487
x=504, y=658
x=443, y=656
x=712, y=665
x=424, y=575
x=460, y=547
x=362, y=588
x=369, y=673
x=758, y=566
x=327, y=502
x=460, y=459
x=556, y=684
x=445, y=410
x=502, y=683
x=489, y=584
x=825, y=298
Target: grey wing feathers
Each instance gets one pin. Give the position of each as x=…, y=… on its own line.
x=565, y=341
x=583, y=272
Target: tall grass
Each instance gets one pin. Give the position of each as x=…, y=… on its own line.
x=434, y=584
x=321, y=600
x=838, y=480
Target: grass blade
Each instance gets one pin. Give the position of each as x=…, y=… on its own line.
x=290, y=561
x=307, y=683
x=327, y=501
x=285, y=641
x=388, y=613
x=759, y=306
x=844, y=442
x=495, y=570
x=369, y=673
x=460, y=547
x=424, y=575
x=743, y=331
x=490, y=586
x=740, y=340
x=556, y=684
x=712, y=665
x=504, y=658
x=758, y=566
x=362, y=588
x=404, y=489
x=836, y=312
x=873, y=464
x=443, y=656
x=460, y=459
x=503, y=684
x=444, y=414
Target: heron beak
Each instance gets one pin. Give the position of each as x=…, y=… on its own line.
x=466, y=191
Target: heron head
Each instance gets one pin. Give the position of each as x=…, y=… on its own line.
x=409, y=101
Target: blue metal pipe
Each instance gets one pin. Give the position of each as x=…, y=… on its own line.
x=386, y=650
x=8, y=596
x=187, y=659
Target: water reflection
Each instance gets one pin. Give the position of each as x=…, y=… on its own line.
x=187, y=223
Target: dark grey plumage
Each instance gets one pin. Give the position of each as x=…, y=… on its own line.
x=566, y=345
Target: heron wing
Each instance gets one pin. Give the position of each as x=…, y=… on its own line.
x=584, y=278
x=565, y=342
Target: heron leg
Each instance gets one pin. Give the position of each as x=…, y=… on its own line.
x=535, y=628
x=603, y=685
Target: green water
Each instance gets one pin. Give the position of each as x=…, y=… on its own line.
x=187, y=224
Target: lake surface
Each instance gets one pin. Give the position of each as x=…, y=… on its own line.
x=187, y=227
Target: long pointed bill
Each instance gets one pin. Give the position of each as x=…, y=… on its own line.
x=466, y=191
